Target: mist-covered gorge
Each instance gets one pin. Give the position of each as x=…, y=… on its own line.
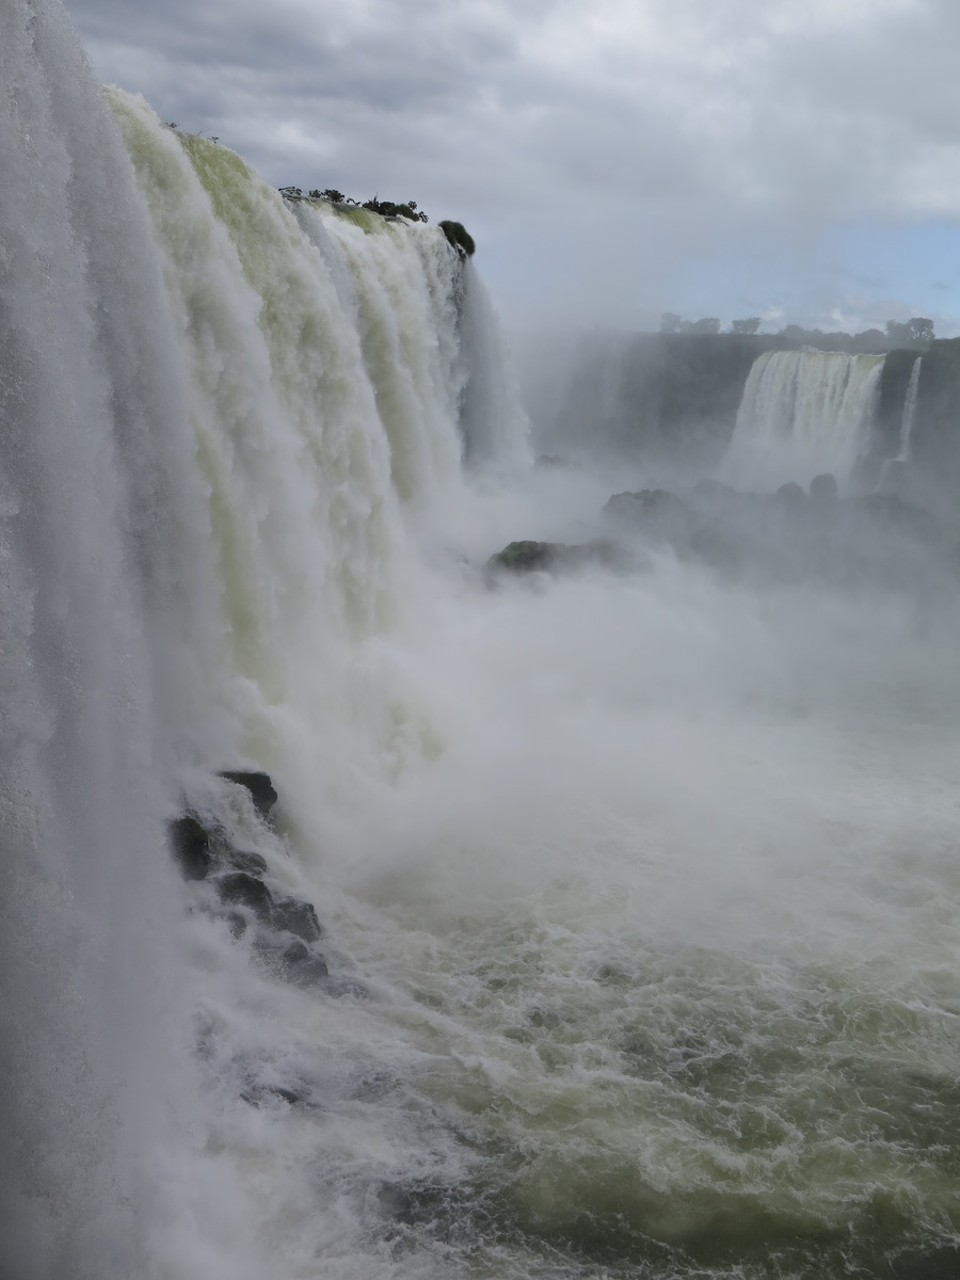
x=684, y=404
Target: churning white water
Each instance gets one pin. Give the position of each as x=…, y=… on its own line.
x=639, y=890
x=802, y=413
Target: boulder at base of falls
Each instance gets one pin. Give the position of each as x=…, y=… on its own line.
x=190, y=845
x=297, y=917
x=283, y=915
x=259, y=785
x=528, y=556
x=303, y=966
x=241, y=860
x=282, y=928
x=240, y=889
x=198, y=850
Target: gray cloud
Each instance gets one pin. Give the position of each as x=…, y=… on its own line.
x=594, y=145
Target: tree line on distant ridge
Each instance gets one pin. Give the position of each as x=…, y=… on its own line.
x=916, y=332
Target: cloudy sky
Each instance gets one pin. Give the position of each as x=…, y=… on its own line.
x=795, y=159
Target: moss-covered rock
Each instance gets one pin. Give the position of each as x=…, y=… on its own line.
x=459, y=237
x=528, y=556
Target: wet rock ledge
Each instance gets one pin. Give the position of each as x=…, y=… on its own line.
x=284, y=930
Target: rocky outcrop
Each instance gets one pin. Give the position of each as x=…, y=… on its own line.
x=258, y=784
x=459, y=237
x=283, y=929
x=796, y=535
x=190, y=846
x=240, y=889
x=528, y=556
x=936, y=437
x=297, y=917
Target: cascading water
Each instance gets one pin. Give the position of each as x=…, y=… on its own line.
x=212, y=417
x=495, y=428
x=802, y=413
x=895, y=474
x=909, y=412
x=640, y=894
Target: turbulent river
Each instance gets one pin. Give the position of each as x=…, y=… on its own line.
x=639, y=890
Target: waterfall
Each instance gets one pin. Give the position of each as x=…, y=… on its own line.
x=495, y=427
x=106, y=647
x=223, y=419
x=909, y=412
x=635, y=887
x=802, y=412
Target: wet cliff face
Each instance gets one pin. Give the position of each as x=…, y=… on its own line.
x=894, y=381
x=936, y=442
x=695, y=386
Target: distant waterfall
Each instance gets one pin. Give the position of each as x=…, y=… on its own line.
x=802, y=412
x=909, y=412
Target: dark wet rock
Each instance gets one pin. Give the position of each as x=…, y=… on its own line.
x=279, y=929
x=339, y=987
x=236, y=923
x=310, y=972
x=303, y=966
x=239, y=888
x=190, y=844
x=823, y=490
x=201, y=849
x=293, y=961
x=253, y=863
x=255, y=1094
x=286, y=1095
x=295, y=953
x=296, y=917
x=528, y=556
x=258, y=784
